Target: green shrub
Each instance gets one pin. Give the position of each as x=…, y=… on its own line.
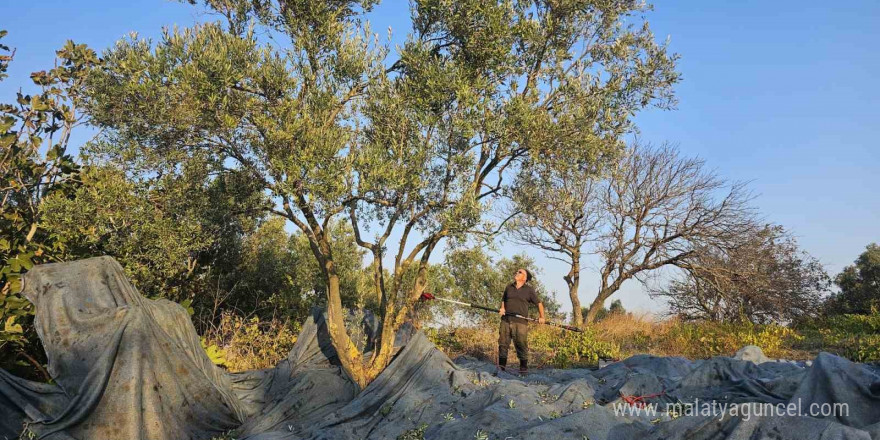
x=242, y=344
x=867, y=324
x=444, y=339
x=861, y=348
x=707, y=339
x=479, y=342
x=414, y=434
x=565, y=349
x=856, y=337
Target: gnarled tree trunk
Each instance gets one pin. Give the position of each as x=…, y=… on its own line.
x=573, y=280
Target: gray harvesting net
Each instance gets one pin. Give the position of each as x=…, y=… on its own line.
x=130, y=368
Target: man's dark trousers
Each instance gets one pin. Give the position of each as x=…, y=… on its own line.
x=518, y=330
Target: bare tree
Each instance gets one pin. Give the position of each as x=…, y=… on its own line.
x=559, y=216
x=765, y=278
x=651, y=208
x=659, y=209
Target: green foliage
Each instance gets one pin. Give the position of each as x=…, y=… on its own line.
x=856, y=337
x=859, y=285
x=277, y=275
x=241, y=344
x=178, y=235
x=4, y=58
x=445, y=340
x=414, y=434
x=615, y=308
x=572, y=348
x=707, y=339
x=34, y=164
x=321, y=123
x=864, y=349
x=193, y=234
x=153, y=230
x=851, y=323
x=851, y=336
x=354, y=285
x=215, y=353
x=471, y=275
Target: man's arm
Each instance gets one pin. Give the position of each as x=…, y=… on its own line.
x=503, y=299
x=535, y=299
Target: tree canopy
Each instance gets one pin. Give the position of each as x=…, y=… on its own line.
x=638, y=211
x=417, y=147
x=765, y=277
x=35, y=164
x=859, y=284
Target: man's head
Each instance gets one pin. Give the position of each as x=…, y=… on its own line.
x=522, y=275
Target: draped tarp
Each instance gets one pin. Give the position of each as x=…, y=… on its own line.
x=423, y=391
x=126, y=367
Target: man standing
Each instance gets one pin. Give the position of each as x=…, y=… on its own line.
x=517, y=297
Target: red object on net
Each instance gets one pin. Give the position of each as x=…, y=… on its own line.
x=639, y=401
x=427, y=295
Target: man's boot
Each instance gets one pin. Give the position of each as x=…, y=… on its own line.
x=523, y=368
x=502, y=365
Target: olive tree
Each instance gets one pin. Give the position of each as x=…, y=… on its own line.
x=415, y=148
x=859, y=285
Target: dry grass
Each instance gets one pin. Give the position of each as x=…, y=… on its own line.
x=548, y=346
x=671, y=337
x=249, y=344
x=627, y=334
x=637, y=333
x=622, y=325
x=479, y=342
x=482, y=343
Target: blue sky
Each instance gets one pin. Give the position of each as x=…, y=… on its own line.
x=782, y=94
